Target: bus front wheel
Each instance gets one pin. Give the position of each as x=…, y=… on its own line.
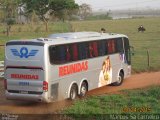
x=120, y=79
x=73, y=92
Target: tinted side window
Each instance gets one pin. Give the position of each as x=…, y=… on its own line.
x=127, y=50
x=93, y=49
x=78, y=51
x=52, y=54
x=82, y=50
x=74, y=52
x=126, y=43
x=111, y=46
x=102, y=48
x=68, y=53
x=58, y=54
x=119, y=45
x=61, y=53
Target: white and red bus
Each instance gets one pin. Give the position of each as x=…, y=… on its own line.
x=65, y=65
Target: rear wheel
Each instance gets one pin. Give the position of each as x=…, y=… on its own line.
x=73, y=92
x=83, y=89
x=120, y=79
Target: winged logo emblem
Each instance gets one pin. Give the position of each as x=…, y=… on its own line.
x=24, y=53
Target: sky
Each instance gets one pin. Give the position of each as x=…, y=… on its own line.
x=121, y=4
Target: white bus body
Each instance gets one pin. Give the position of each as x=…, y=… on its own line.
x=64, y=65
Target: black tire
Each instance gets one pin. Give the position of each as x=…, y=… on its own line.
x=120, y=79
x=83, y=90
x=73, y=92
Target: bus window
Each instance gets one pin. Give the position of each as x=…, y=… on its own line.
x=93, y=51
x=62, y=53
x=127, y=50
x=68, y=53
x=106, y=48
x=52, y=54
x=111, y=46
x=91, y=54
x=57, y=54
x=74, y=51
x=119, y=45
x=101, y=48
x=82, y=50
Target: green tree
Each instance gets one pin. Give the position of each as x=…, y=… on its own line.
x=85, y=10
x=9, y=8
x=64, y=9
x=40, y=7
x=45, y=8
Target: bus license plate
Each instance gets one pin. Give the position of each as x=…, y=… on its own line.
x=23, y=92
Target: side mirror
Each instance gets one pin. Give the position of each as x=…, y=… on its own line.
x=132, y=54
x=132, y=50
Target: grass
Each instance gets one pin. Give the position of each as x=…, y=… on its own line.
x=130, y=102
x=149, y=40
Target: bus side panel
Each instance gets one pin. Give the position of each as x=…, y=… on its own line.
x=116, y=63
x=61, y=76
x=64, y=76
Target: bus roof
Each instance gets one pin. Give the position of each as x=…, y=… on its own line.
x=72, y=37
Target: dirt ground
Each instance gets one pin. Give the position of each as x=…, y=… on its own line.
x=19, y=107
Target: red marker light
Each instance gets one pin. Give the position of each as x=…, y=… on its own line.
x=45, y=86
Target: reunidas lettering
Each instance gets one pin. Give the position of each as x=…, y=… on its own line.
x=24, y=76
x=73, y=68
